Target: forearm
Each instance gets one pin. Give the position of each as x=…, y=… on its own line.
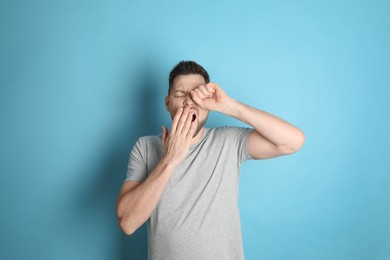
x=136, y=205
x=273, y=128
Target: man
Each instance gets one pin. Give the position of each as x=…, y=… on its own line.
x=184, y=182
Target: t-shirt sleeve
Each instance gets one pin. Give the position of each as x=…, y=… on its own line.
x=239, y=137
x=136, y=167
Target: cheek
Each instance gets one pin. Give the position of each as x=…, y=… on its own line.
x=174, y=105
x=174, y=110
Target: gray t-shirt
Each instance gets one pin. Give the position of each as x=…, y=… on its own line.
x=197, y=216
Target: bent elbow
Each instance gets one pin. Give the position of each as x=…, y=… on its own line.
x=293, y=147
x=300, y=142
x=123, y=221
x=126, y=227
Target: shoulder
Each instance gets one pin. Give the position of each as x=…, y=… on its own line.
x=229, y=134
x=230, y=131
x=149, y=141
x=146, y=146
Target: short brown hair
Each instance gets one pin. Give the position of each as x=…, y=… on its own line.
x=187, y=67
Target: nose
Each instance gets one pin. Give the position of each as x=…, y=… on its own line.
x=188, y=100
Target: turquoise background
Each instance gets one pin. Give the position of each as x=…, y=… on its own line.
x=82, y=80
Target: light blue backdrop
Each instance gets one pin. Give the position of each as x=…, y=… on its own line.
x=82, y=80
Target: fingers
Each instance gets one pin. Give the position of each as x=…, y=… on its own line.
x=164, y=134
x=191, y=132
x=175, y=120
x=205, y=90
x=200, y=94
x=196, y=98
x=210, y=87
x=187, y=124
x=185, y=119
x=181, y=122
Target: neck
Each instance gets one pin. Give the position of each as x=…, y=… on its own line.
x=197, y=137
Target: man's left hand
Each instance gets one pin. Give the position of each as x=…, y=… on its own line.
x=210, y=97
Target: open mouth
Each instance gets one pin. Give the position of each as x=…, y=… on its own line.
x=193, y=118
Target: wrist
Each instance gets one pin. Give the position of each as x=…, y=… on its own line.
x=231, y=108
x=169, y=163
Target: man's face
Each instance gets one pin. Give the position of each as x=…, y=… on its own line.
x=180, y=97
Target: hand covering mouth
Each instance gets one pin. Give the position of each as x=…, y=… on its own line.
x=195, y=113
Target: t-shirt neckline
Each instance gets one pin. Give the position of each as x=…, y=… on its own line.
x=193, y=146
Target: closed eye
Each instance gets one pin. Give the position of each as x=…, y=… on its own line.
x=180, y=94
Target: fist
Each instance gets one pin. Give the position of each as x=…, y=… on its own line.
x=210, y=97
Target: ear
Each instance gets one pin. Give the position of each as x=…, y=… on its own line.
x=167, y=103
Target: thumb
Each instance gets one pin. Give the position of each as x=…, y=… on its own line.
x=164, y=134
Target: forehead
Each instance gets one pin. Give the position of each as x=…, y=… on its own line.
x=186, y=82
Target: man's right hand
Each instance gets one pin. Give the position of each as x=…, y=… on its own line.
x=137, y=200
x=177, y=142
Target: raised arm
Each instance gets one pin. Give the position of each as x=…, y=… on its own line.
x=137, y=200
x=272, y=136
